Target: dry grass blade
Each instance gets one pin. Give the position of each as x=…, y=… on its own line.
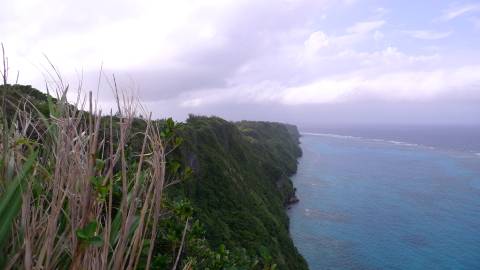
x=68, y=207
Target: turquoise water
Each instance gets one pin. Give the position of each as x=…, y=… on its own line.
x=371, y=204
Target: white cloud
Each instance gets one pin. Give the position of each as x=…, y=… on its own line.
x=316, y=41
x=388, y=58
x=319, y=92
x=81, y=34
x=365, y=27
x=418, y=86
x=260, y=92
x=399, y=86
x=458, y=11
x=427, y=34
x=350, y=2
x=356, y=34
x=381, y=11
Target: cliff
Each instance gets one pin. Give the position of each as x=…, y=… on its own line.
x=242, y=183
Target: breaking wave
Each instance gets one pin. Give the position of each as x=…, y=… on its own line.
x=330, y=135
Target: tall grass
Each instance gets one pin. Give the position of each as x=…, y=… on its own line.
x=71, y=195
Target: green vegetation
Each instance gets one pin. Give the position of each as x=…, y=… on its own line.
x=241, y=184
x=82, y=191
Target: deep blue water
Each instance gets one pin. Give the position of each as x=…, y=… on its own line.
x=373, y=204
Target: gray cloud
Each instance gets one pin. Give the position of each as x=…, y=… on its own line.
x=250, y=59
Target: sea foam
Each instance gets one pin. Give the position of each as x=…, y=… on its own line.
x=367, y=139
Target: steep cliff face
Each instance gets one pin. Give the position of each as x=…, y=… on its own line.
x=242, y=184
x=241, y=178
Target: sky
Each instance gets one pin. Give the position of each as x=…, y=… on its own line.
x=308, y=62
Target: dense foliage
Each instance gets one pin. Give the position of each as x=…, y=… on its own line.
x=228, y=214
x=241, y=184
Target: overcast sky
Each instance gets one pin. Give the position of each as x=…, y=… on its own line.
x=306, y=62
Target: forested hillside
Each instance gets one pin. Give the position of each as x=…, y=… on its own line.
x=225, y=187
x=242, y=184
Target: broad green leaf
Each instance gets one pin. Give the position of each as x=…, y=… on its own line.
x=174, y=166
x=88, y=231
x=178, y=141
x=96, y=241
x=170, y=123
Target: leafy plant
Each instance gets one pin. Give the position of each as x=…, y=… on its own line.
x=88, y=235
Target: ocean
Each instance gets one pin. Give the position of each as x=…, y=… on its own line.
x=391, y=198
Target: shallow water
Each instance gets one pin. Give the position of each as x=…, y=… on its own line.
x=372, y=204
